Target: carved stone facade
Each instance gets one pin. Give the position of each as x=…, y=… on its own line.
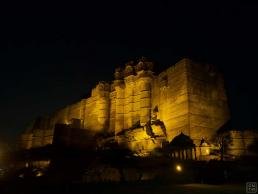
x=188, y=97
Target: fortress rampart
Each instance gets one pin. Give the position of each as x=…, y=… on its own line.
x=188, y=97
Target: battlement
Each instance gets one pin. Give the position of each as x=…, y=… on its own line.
x=187, y=97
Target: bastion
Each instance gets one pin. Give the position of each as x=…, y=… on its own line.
x=141, y=108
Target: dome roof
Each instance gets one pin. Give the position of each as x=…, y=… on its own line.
x=129, y=68
x=181, y=140
x=144, y=64
x=118, y=73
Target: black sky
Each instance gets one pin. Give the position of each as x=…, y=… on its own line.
x=52, y=55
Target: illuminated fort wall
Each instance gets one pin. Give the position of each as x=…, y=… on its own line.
x=190, y=98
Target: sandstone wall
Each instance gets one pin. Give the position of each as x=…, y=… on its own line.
x=131, y=100
x=190, y=98
x=91, y=113
x=37, y=135
x=170, y=95
x=119, y=105
x=112, y=114
x=240, y=142
x=96, y=110
x=208, y=108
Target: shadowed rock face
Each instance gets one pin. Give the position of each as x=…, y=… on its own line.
x=187, y=97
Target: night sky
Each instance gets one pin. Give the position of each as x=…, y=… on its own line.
x=52, y=55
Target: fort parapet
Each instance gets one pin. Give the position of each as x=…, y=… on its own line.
x=188, y=97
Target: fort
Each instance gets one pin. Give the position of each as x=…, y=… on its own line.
x=142, y=109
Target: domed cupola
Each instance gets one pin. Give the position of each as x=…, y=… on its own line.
x=129, y=69
x=144, y=64
x=118, y=73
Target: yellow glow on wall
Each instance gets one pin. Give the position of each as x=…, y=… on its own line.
x=141, y=143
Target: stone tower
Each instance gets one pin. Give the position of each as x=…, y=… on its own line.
x=187, y=97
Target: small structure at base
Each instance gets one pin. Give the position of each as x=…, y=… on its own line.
x=182, y=148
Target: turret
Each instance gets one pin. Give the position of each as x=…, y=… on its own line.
x=102, y=104
x=132, y=94
x=129, y=79
x=118, y=86
x=144, y=85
